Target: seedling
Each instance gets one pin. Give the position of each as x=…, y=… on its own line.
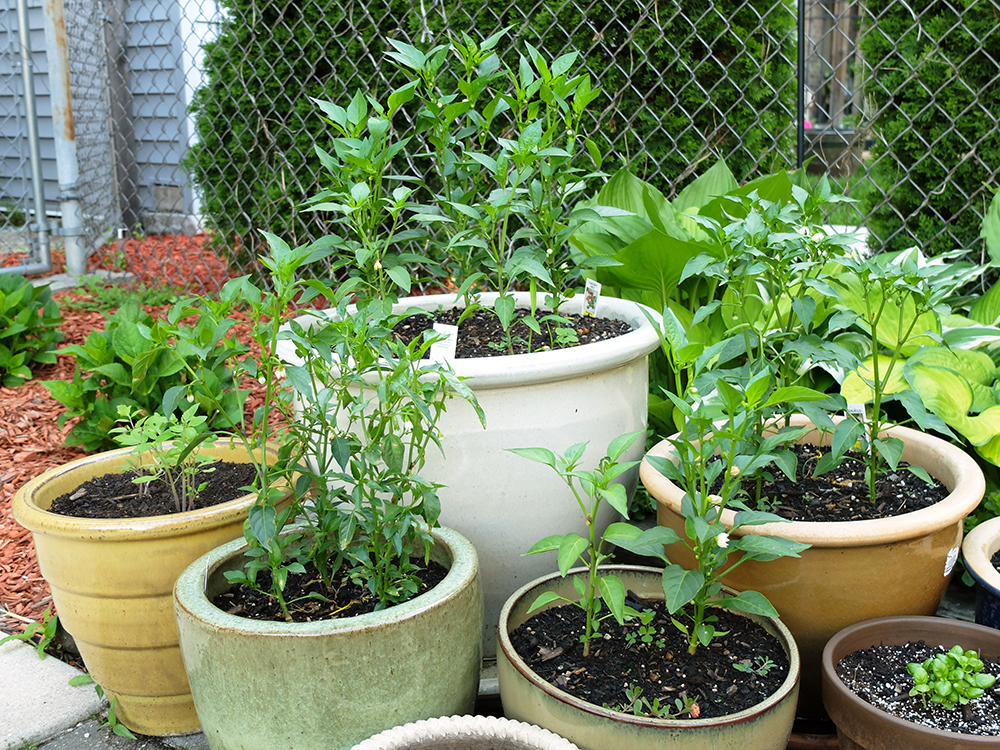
x=641, y=706
x=950, y=679
x=647, y=633
x=46, y=631
x=763, y=666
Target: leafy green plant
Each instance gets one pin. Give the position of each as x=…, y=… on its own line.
x=95, y=295
x=759, y=666
x=29, y=320
x=646, y=632
x=111, y=718
x=639, y=705
x=950, y=679
x=169, y=443
x=590, y=488
x=140, y=362
x=45, y=631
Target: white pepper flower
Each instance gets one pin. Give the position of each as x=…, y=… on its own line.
x=722, y=540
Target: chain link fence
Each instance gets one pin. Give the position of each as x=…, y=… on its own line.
x=209, y=126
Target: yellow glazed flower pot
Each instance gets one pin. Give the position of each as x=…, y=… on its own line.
x=329, y=684
x=855, y=570
x=112, y=582
x=528, y=698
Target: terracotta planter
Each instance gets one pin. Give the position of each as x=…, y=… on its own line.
x=862, y=726
x=332, y=683
x=112, y=582
x=466, y=733
x=528, y=698
x=554, y=399
x=855, y=570
x=978, y=548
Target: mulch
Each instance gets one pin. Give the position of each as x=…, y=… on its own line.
x=31, y=441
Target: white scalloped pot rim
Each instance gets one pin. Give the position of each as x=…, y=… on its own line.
x=470, y=727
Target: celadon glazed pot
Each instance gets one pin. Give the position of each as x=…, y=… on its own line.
x=112, y=585
x=330, y=684
x=855, y=570
x=862, y=726
x=977, y=550
x=528, y=698
x=504, y=503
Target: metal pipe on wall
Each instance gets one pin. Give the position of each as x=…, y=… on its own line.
x=65, y=136
x=41, y=224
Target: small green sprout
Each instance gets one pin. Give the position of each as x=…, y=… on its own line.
x=763, y=666
x=951, y=678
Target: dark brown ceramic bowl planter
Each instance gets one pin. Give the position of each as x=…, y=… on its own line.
x=528, y=698
x=862, y=726
x=854, y=570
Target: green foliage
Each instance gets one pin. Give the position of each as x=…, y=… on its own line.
x=137, y=362
x=931, y=79
x=759, y=666
x=639, y=705
x=95, y=295
x=168, y=441
x=687, y=81
x=111, y=719
x=29, y=320
x=590, y=488
x=45, y=630
x=950, y=679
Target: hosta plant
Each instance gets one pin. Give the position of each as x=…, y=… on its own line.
x=29, y=320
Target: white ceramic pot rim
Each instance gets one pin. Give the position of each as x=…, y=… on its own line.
x=979, y=546
x=40, y=521
x=539, y=367
x=457, y=728
x=644, y=721
x=189, y=594
x=962, y=500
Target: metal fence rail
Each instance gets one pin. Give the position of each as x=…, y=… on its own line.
x=189, y=84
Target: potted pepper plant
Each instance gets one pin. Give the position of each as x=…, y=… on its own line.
x=897, y=564
x=671, y=618
x=506, y=149
x=349, y=611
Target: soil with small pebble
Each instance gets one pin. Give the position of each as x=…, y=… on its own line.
x=549, y=642
x=311, y=599
x=842, y=494
x=116, y=495
x=878, y=676
x=481, y=335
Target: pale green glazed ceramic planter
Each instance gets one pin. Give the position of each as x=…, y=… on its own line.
x=330, y=684
x=530, y=699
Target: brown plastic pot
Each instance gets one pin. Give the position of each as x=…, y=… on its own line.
x=862, y=726
x=854, y=570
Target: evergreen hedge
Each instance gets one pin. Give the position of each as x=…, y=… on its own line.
x=933, y=78
x=715, y=81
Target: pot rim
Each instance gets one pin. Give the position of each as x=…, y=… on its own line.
x=189, y=594
x=507, y=649
x=456, y=728
x=540, y=367
x=895, y=630
x=979, y=546
x=28, y=513
x=964, y=496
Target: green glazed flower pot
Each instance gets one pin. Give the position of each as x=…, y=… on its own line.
x=528, y=698
x=330, y=684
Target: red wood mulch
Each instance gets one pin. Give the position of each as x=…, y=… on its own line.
x=30, y=440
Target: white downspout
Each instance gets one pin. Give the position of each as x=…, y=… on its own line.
x=57, y=53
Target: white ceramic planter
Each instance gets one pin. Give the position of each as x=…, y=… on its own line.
x=977, y=550
x=466, y=733
x=504, y=503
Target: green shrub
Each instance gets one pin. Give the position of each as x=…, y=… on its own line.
x=933, y=83
x=719, y=84
x=29, y=320
x=135, y=362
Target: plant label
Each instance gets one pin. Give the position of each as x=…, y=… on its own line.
x=443, y=350
x=591, y=296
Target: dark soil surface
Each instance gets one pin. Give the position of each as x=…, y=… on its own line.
x=115, y=495
x=481, y=334
x=310, y=599
x=550, y=644
x=878, y=675
x=842, y=494
x=996, y=561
